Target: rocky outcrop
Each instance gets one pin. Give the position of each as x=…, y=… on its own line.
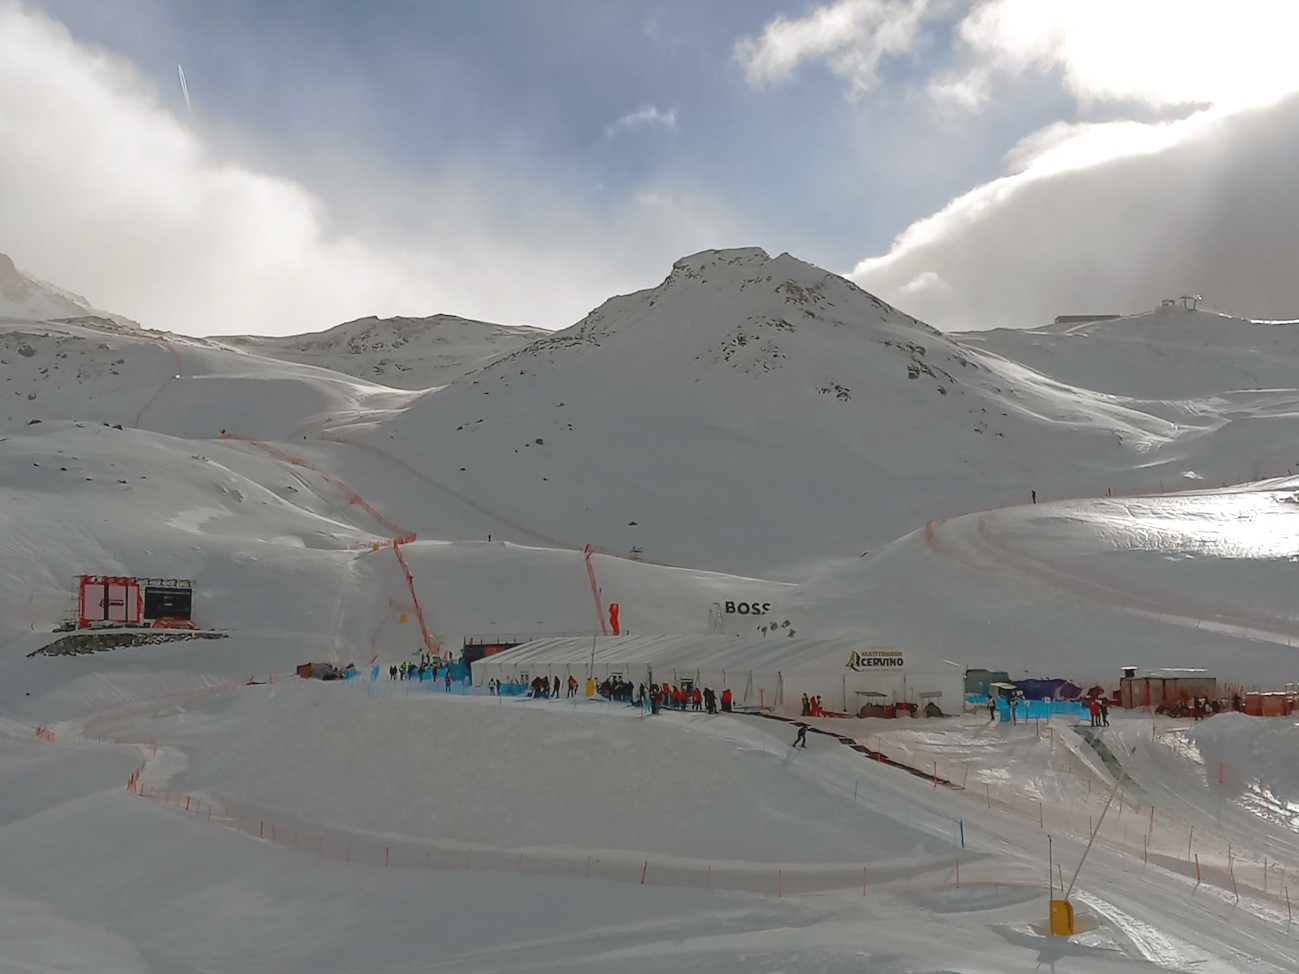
x=100, y=641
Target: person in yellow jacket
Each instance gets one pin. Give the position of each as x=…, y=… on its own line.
x=590, y=687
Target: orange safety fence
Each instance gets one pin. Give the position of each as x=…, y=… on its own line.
x=352, y=496
x=175, y=357
x=949, y=871
x=434, y=646
x=400, y=536
x=545, y=539
x=1151, y=834
x=1156, y=834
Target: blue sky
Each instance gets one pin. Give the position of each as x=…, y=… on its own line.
x=534, y=86
x=523, y=160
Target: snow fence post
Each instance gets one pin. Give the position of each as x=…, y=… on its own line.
x=643, y=870
x=962, y=833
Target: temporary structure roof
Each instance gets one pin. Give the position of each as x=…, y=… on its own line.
x=710, y=652
x=767, y=673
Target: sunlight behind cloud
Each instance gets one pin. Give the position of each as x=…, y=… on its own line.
x=1156, y=52
x=107, y=193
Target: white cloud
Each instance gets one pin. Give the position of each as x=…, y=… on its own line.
x=104, y=192
x=851, y=36
x=650, y=115
x=1115, y=214
x=1154, y=52
x=1113, y=217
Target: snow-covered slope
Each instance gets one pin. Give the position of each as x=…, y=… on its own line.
x=92, y=370
x=1171, y=353
x=755, y=413
x=1080, y=589
x=749, y=412
x=23, y=296
x=406, y=353
x=282, y=558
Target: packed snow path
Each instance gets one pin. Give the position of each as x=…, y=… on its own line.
x=987, y=542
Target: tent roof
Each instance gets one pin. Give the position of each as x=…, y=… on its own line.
x=713, y=653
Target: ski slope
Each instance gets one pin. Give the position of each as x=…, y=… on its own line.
x=1169, y=353
x=757, y=430
x=555, y=783
x=1079, y=589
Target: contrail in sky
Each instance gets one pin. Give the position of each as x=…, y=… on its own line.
x=184, y=89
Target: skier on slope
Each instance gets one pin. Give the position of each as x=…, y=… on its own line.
x=801, y=739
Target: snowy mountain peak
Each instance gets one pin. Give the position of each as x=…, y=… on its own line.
x=727, y=294
x=23, y=296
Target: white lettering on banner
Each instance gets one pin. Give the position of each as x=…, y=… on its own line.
x=871, y=658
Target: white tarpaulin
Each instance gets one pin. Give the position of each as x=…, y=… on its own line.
x=772, y=672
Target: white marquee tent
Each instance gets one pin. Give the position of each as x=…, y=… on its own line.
x=772, y=672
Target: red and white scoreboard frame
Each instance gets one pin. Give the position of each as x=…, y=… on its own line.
x=122, y=600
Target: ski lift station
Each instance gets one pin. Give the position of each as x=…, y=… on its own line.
x=770, y=673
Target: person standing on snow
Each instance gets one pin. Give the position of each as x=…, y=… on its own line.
x=1105, y=713
x=992, y=708
x=801, y=739
x=447, y=682
x=726, y=700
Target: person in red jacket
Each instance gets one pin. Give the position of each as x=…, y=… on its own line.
x=726, y=700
